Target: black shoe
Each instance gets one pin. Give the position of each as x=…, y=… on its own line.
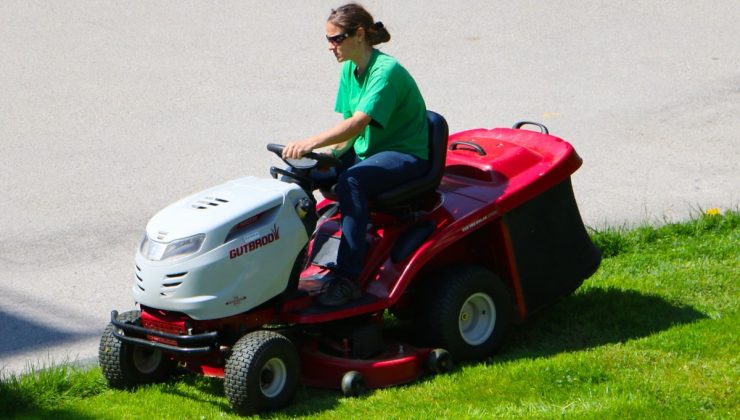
x=341, y=290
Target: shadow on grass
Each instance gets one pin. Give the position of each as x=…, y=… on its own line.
x=593, y=318
x=197, y=388
x=586, y=320
x=17, y=402
x=307, y=401
x=46, y=413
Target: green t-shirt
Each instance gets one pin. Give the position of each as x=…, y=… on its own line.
x=388, y=94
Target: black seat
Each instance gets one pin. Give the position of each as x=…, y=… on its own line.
x=413, y=189
x=405, y=193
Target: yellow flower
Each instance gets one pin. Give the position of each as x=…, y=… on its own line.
x=712, y=212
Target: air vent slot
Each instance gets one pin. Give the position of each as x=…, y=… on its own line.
x=208, y=202
x=142, y=289
x=176, y=275
x=174, y=284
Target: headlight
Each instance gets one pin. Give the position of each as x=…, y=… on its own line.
x=158, y=251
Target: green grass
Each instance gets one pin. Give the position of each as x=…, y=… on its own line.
x=653, y=334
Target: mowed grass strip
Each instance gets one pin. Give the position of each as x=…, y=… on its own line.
x=653, y=334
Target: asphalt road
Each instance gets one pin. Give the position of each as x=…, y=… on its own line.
x=111, y=110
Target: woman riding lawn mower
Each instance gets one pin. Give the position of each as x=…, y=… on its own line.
x=457, y=236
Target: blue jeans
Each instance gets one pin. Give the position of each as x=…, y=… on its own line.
x=360, y=181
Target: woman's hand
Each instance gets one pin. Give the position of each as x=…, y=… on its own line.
x=346, y=130
x=296, y=150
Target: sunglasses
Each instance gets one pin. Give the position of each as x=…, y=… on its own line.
x=337, y=40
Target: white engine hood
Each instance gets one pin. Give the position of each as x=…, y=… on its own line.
x=208, y=210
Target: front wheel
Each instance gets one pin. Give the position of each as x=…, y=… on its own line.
x=465, y=310
x=125, y=365
x=261, y=373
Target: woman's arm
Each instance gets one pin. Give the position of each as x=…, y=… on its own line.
x=345, y=130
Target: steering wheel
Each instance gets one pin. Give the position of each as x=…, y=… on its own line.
x=308, y=161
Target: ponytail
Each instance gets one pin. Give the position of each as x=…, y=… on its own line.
x=377, y=34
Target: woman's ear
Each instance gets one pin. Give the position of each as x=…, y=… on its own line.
x=361, y=34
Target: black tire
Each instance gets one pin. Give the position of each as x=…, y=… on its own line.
x=125, y=365
x=466, y=310
x=262, y=372
x=353, y=384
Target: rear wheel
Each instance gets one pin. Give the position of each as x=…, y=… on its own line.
x=261, y=373
x=465, y=310
x=126, y=365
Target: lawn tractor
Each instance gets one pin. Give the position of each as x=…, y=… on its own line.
x=226, y=279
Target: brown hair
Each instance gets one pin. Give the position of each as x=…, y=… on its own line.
x=352, y=16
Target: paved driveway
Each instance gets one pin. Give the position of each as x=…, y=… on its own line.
x=109, y=111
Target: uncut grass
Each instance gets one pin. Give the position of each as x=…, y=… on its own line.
x=652, y=334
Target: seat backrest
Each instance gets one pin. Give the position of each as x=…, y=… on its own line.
x=402, y=194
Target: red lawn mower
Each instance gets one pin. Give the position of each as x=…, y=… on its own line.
x=227, y=278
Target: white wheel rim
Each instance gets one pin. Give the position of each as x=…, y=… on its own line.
x=146, y=360
x=272, y=377
x=477, y=319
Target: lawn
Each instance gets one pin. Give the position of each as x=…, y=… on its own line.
x=653, y=334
